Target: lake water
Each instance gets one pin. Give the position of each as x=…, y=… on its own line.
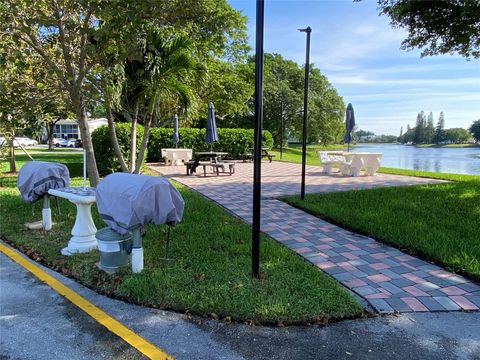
x=445, y=160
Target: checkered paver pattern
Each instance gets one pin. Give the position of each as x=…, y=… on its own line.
x=388, y=279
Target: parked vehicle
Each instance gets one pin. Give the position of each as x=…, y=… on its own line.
x=78, y=143
x=56, y=141
x=68, y=143
x=24, y=141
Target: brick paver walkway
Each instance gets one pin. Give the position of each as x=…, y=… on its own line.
x=390, y=280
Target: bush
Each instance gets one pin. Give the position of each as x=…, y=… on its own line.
x=107, y=161
x=233, y=141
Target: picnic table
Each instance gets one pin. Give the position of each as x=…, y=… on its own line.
x=213, y=156
x=265, y=153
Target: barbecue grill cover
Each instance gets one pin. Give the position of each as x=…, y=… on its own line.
x=128, y=201
x=35, y=178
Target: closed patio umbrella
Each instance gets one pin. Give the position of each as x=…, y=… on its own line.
x=176, y=137
x=349, y=125
x=211, y=134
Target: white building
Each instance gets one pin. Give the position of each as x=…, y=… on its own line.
x=68, y=129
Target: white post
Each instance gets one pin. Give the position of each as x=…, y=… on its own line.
x=46, y=213
x=84, y=169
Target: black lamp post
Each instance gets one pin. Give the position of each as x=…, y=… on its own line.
x=308, y=30
x=282, y=127
x=257, y=151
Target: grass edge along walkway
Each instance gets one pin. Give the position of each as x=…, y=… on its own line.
x=211, y=272
x=437, y=223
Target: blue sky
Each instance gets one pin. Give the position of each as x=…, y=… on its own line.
x=360, y=54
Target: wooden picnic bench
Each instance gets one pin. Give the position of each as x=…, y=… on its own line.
x=217, y=167
x=265, y=154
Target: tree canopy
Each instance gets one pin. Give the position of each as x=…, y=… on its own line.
x=437, y=26
x=475, y=130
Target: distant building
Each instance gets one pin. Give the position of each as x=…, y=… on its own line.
x=68, y=129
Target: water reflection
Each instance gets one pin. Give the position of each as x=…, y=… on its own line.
x=447, y=160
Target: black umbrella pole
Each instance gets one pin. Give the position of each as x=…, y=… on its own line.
x=257, y=153
x=308, y=30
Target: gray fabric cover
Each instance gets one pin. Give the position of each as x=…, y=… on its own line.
x=128, y=201
x=35, y=178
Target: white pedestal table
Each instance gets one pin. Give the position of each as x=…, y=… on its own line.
x=83, y=231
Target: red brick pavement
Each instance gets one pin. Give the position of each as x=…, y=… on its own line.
x=390, y=280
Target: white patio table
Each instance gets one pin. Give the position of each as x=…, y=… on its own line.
x=176, y=156
x=371, y=161
x=83, y=231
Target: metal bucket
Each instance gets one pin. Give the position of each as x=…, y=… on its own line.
x=114, y=249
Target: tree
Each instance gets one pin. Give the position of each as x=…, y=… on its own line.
x=475, y=130
x=401, y=132
x=437, y=26
x=430, y=129
x=283, y=88
x=19, y=95
x=439, y=129
x=59, y=34
x=420, y=128
x=67, y=35
x=456, y=135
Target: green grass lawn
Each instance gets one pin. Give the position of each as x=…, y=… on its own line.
x=211, y=271
x=294, y=153
x=439, y=222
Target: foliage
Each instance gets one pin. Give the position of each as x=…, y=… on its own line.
x=283, y=89
x=456, y=136
x=235, y=142
x=437, y=26
x=425, y=133
x=107, y=162
x=211, y=268
x=440, y=129
x=475, y=130
x=412, y=218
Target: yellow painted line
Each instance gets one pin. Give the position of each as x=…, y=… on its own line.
x=114, y=326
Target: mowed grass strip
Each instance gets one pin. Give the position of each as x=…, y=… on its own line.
x=211, y=270
x=440, y=223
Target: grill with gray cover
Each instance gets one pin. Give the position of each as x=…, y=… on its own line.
x=34, y=180
x=127, y=202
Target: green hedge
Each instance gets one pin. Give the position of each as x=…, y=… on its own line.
x=233, y=141
x=107, y=162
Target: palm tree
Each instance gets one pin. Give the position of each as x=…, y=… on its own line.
x=168, y=65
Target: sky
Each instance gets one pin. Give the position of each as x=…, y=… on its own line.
x=360, y=54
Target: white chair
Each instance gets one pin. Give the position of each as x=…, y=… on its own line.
x=371, y=166
x=355, y=166
x=326, y=162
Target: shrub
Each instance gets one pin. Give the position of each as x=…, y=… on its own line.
x=107, y=161
x=233, y=141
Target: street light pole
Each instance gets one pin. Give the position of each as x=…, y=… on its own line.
x=282, y=127
x=257, y=151
x=308, y=30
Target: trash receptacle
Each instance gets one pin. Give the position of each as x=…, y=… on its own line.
x=114, y=248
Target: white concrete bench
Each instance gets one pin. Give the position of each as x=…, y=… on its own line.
x=328, y=160
x=176, y=156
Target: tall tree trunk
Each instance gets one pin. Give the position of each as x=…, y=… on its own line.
x=86, y=140
x=114, y=139
x=50, y=128
x=143, y=147
x=11, y=155
x=133, y=138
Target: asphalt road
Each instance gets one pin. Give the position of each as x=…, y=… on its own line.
x=37, y=323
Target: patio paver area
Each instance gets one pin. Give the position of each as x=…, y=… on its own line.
x=390, y=280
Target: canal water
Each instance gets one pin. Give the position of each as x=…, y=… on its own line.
x=445, y=160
